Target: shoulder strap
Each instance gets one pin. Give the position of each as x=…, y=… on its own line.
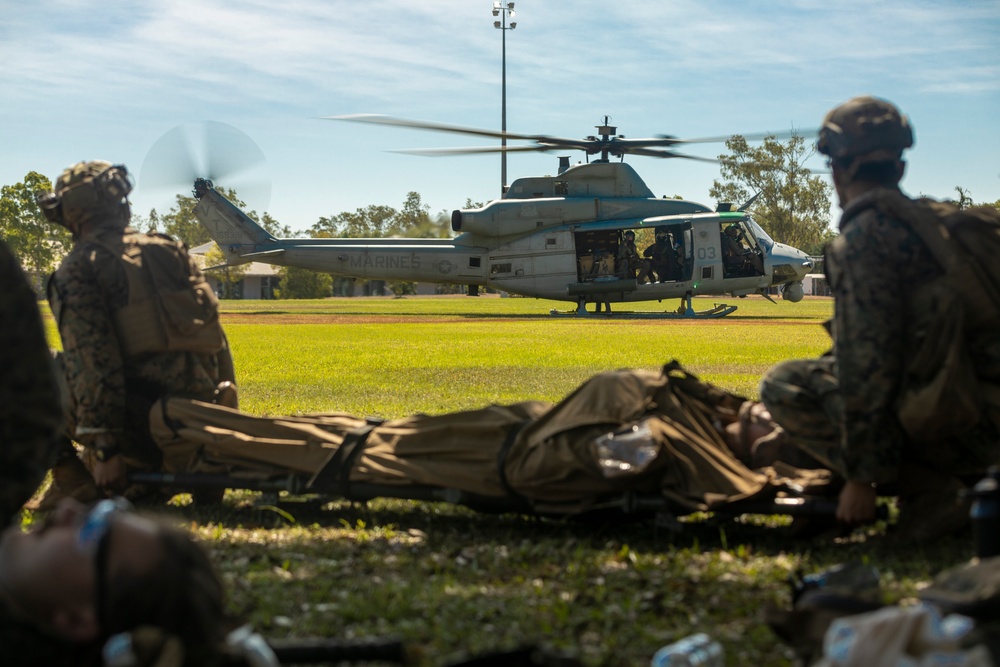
x=929, y=225
x=925, y=223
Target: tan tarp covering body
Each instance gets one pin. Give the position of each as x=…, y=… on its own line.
x=554, y=461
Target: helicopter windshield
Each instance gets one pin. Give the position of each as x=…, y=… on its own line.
x=765, y=241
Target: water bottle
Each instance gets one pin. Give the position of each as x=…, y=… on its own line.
x=985, y=514
x=697, y=650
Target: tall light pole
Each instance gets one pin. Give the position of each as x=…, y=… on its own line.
x=504, y=10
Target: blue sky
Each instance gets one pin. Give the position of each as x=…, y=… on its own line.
x=83, y=80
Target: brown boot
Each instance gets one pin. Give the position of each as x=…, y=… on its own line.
x=70, y=479
x=930, y=505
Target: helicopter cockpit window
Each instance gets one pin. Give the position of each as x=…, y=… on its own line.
x=741, y=249
x=762, y=237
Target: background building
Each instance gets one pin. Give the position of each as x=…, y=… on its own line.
x=258, y=280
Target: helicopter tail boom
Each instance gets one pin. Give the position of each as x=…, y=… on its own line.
x=238, y=235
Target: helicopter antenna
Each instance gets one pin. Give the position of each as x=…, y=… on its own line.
x=749, y=203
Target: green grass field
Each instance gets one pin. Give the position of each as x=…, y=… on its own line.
x=452, y=582
x=391, y=357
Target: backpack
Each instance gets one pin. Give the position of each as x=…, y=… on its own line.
x=944, y=393
x=171, y=307
x=965, y=243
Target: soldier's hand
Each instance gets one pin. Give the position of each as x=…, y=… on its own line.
x=856, y=503
x=110, y=475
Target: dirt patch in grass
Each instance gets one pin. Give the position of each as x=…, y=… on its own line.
x=258, y=318
x=292, y=318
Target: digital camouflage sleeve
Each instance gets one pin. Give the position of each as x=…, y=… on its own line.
x=31, y=414
x=873, y=267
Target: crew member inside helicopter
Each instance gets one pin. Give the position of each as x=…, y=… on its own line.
x=732, y=249
x=738, y=257
x=663, y=256
x=630, y=264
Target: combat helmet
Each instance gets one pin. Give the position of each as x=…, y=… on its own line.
x=88, y=192
x=864, y=129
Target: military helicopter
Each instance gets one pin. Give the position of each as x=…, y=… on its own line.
x=554, y=237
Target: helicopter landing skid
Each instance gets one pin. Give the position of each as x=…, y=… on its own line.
x=718, y=310
x=684, y=312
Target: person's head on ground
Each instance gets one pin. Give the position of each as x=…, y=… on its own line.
x=90, y=573
x=88, y=194
x=864, y=139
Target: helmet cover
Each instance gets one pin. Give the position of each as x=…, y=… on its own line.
x=865, y=129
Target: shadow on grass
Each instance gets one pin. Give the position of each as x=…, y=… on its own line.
x=763, y=536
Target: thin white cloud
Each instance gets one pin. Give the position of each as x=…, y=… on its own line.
x=391, y=51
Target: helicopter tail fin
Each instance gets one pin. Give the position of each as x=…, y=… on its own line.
x=236, y=233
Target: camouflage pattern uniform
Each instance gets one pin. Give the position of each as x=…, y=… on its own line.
x=842, y=407
x=30, y=408
x=111, y=393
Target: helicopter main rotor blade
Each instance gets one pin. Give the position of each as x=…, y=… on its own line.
x=544, y=141
x=653, y=152
x=753, y=136
x=777, y=167
x=606, y=145
x=378, y=119
x=473, y=150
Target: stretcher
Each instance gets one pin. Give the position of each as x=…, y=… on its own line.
x=631, y=441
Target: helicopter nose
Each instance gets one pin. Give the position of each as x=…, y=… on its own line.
x=789, y=264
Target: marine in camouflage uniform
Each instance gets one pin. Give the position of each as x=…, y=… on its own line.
x=662, y=257
x=842, y=408
x=630, y=264
x=110, y=391
x=30, y=409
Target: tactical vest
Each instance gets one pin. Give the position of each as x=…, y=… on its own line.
x=171, y=307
